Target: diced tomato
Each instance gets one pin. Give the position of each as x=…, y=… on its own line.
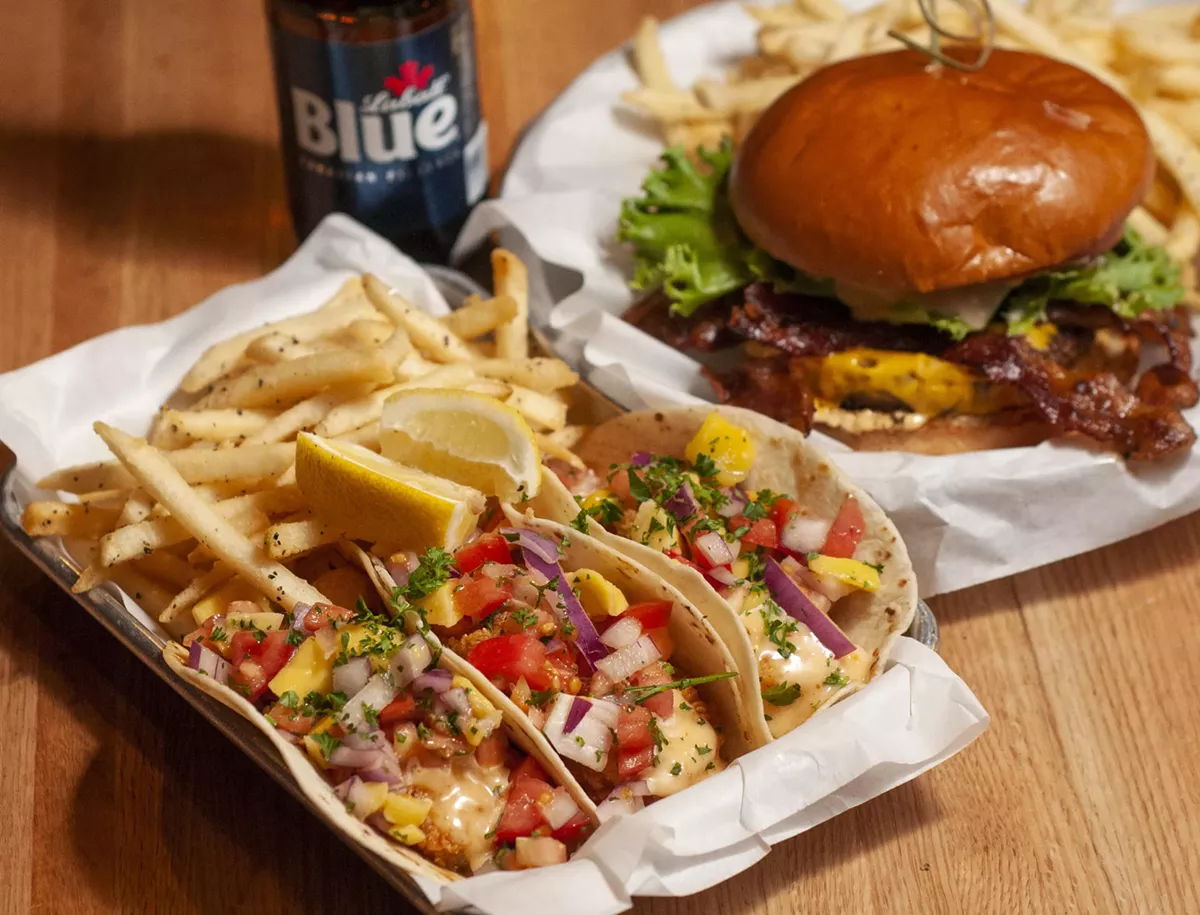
x=521, y=815
x=203, y=635
x=290, y=719
x=256, y=662
x=477, y=594
x=322, y=615
x=762, y=533
x=783, y=511
x=846, y=532
x=564, y=663
x=510, y=657
x=633, y=728
x=574, y=830
x=402, y=708
x=654, y=614
x=663, y=704
x=493, y=750
x=529, y=768
x=662, y=641
x=488, y=548
x=630, y=763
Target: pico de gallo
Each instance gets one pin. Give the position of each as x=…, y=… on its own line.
x=590, y=670
x=414, y=751
x=779, y=566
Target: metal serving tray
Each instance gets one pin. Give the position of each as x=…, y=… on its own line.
x=147, y=644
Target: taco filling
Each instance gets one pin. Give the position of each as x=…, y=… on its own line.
x=414, y=751
x=778, y=565
x=592, y=671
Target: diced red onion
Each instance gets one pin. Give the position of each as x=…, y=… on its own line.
x=736, y=502
x=540, y=851
x=716, y=551
x=353, y=759
x=364, y=740
x=299, y=615
x=342, y=790
x=357, y=798
x=587, y=639
x=560, y=809
x=639, y=458
x=413, y=658
x=804, y=534
x=327, y=639
x=527, y=540
x=723, y=575
x=352, y=676
x=591, y=739
x=797, y=605
x=402, y=568
x=624, y=631
x=208, y=662
x=378, y=694
x=683, y=504
x=437, y=680
x=381, y=775
x=555, y=645
x=456, y=700
x=623, y=664
x=579, y=708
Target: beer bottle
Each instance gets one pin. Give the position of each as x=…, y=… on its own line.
x=379, y=114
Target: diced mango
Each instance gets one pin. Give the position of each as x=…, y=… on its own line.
x=754, y=599
x=261, y=621
x=220, y=599
x=728, y=445
x=850, y=572
x=369, y=798
x=314, y=749
x=485, y=716
x=654, y=527
x=740, y=568
x=599, y=596
x=404, y=810
x=591, y=500
x=440, y=607
x=308, y=671
x=409, y=835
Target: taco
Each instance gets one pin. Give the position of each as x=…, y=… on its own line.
x=773, y=544
x=395, y=747
x=613, y=673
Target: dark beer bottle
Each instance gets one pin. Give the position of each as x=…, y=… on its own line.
x=379, y=112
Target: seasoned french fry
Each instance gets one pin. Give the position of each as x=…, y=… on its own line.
x=428, y=334
x=1162, y=44
x=249, y=522
x=92, y=576
x=155, y=473
x=288, y=382
x=367, y=436
x=512, y=279
x=136, y=508
x=397, y=348
x=355, y=413
x=194, y=466
x=276, y=347
x=105, y=498
x=747, y=96
x=1180, y=81
x=413, y=366
x=1184, y=240
x=217, y=425
x=477, y=316
x=175, y=614
x=293, y=538
x=165, y=568
x=540, y=373
x=648, y=57
x=823, y=9
x=67, y=519
x=542, y=411
x=221, y=358
x=778, y=15
x=369, y=333
x=671, y=106
x=304, y=415
x=1153, y=231
x=551, y=448
x=150, y=596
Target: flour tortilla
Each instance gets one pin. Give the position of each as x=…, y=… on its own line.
x=786, y=463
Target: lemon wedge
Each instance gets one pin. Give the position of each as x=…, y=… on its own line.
x=473, y=439
x=372, y=498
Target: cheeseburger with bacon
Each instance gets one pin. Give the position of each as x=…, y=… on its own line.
x=915, y=257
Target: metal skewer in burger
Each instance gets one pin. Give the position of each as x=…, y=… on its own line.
x=927, y=256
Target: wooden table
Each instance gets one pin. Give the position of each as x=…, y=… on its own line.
x=138, y=174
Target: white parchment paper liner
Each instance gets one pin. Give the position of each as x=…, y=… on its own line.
x=966, y=518
x=917, y=714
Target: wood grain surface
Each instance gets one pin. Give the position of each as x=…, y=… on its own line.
x=138, y=174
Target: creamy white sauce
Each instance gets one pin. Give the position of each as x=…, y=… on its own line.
x=467, y=802
x=687, y=739
x=809, y=665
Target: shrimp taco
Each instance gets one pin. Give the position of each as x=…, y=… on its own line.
x=395, y=747
x=612, y=672
x=777, y=548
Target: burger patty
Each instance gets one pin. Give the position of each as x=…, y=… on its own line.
x=1082, y=382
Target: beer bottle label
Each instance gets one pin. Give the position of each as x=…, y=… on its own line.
x=388, y=131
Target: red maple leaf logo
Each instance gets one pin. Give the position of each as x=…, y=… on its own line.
x=411, y=74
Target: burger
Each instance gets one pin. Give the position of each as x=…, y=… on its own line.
x=923, y=258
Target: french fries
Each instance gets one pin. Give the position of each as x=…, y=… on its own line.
x=214, y=499
x=1152, y=56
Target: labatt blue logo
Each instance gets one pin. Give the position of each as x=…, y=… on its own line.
x=413, y=113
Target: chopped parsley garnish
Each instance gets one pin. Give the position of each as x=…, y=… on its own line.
x=640, y=694
x=578, y=740
x=837, y=678
x=431, y=573
x=370, y=715
x=711, y=765
x=705, y=466
x=877, y=566
x=218, y=635
x=703, y=750
x=754, y=511
x=290, y=699
x=660, y=739
x=326, y=742
x=607, y=511
x=422, y=731
x=676, y=769
x=580, y=522
x=524, y=617
x=782, y=693
x=295, y=637
x=540, y=697
x=778, y=626
x=259, y=635
x=638, y=488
